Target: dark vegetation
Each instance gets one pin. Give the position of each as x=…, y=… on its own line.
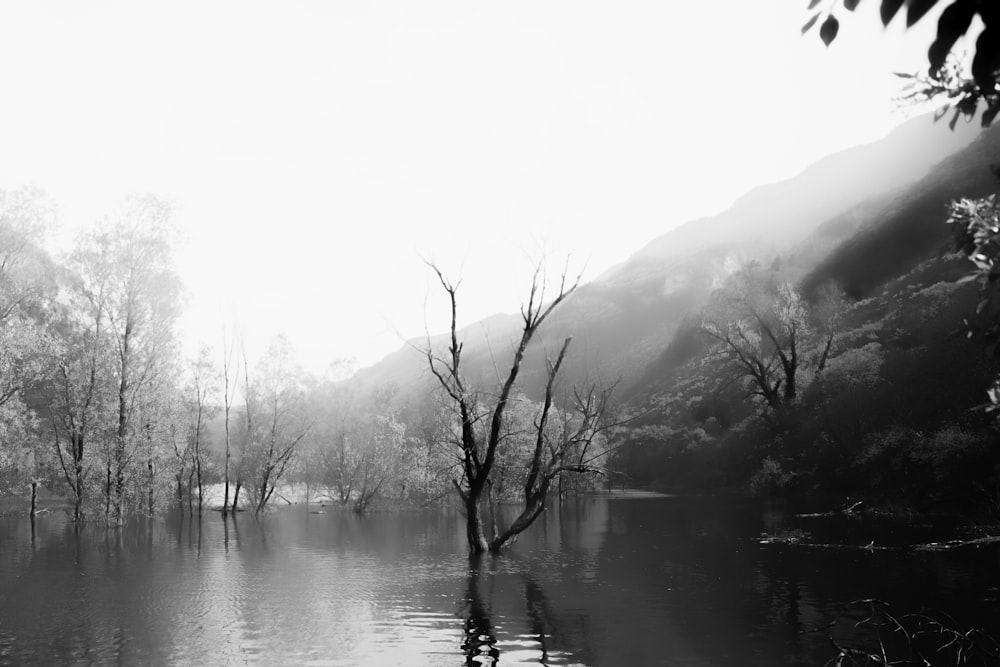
x=892, y=408
x=890, y=415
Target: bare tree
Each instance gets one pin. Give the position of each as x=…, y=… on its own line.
x=761, y=328
x=230, y=380
x=744, y=346
x=827, y=315
x=275, y=421
x=200, y=389
x=182, y=455
x=374, y=453
x=479, y=450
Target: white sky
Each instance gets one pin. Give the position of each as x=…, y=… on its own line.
x=316, y=151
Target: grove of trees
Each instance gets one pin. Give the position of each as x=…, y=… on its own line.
x=100, y=410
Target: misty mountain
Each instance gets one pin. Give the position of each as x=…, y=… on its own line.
x=782, y=214
x=909, y=228
x=627, y=317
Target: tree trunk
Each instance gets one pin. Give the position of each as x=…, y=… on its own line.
x=474, y=524
x=201, y=488
x=78, y=477
x=197, y=455
x=236, y=495
x=149, y=491
x=225, y=497
x=180, y=490
x=534, y=505
x=107, y=494
x=191, y=497
x=118, y=503
x=34, y=497
x=265, y=491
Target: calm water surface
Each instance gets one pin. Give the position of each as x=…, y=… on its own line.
x=601, y=581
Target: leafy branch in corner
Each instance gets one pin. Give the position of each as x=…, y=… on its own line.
x=944, y=79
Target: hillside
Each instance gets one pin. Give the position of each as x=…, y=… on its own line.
x=623, y=321
x=782, y=214
x=909, y=227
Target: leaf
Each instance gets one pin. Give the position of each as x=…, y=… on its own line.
x=828, y=31
x=954, y=22
x=813, y=3
x=916, y=10
x=889, y=9
x=851, y=5
x=810, y=23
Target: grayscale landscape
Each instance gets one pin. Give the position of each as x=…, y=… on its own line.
x=448, y=333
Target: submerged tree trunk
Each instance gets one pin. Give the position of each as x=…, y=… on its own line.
x=474, y=532
x=478, y=453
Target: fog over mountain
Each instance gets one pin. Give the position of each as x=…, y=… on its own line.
x=628, y=315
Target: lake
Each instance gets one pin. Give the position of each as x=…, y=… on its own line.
x=632, y=579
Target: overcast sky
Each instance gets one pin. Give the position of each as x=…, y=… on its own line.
x=317, y=151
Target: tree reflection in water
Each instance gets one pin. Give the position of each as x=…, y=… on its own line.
x=493, y=591
x=539, y=615
x=479, y=645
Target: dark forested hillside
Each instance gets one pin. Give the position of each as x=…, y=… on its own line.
x=908, y=228
x=890, y=415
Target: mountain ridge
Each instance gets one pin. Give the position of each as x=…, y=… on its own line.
x=626, y=317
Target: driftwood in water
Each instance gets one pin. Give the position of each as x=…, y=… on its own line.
x=847, y=508
x=799, y=538
x=954, y=544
